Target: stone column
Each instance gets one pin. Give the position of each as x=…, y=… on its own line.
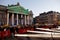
x=28, y=19
x=17, y=19
x=25, y=19
x=31, y=19
x=7, y=18
x=12, y=19
x=21, y=19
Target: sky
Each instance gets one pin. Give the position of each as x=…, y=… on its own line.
x=37, y=6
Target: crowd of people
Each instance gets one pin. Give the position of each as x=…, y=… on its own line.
x=6, y=32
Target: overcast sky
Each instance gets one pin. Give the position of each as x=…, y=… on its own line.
x=37, y=6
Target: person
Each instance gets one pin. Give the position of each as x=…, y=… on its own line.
x=0, y=33
x=55, y=26
x=18, y=28
x=12, y=32
x=35, y=26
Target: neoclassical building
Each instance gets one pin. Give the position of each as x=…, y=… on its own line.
x=18, y=15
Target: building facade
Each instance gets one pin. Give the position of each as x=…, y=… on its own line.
x=18, y=15
x=36, y=20
x=50, y=17
x=3, y=12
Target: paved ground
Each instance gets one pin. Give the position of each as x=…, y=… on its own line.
x=32, y=38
